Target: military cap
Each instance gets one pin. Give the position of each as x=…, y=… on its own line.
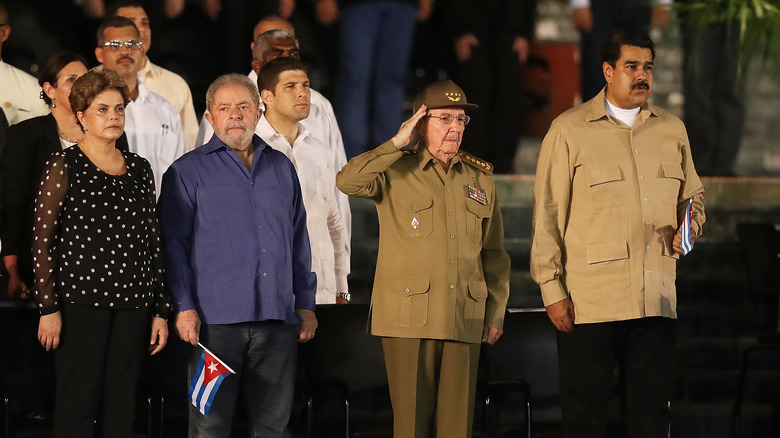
x=443, y=94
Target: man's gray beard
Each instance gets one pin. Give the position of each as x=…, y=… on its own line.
x=240, y=144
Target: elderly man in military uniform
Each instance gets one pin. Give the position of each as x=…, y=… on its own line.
x=442, y=277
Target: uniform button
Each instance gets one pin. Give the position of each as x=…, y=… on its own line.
x=449, y=189
x=644, y=199
x=641, y=177
x=647, y=247
x=414, y=205
x=647, y=222
x=407, y=290
x=452, y=286
x=450, y=213
x=452, y=262
x=452, y=236
x=636, y=152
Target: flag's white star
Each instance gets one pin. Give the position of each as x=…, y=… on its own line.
x=213, y=367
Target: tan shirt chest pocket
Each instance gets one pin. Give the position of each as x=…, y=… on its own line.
x=672, y=176
x=416, y=215
x=475, y=214
x=606, y=187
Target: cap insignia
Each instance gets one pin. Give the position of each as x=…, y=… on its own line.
x=454, y=97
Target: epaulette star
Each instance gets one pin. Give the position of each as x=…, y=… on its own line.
x=476, y=162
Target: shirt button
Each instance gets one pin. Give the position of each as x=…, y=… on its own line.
x=452, y=286
x=452, y=236
x=265, y=274
x=263, y=250
x=261, y=227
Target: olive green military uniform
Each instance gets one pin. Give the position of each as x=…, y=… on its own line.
x=442, y=274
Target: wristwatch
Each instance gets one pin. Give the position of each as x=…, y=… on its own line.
x=345, y=295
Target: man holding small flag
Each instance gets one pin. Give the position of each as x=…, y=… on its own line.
x=616, y=202
x=239, y=267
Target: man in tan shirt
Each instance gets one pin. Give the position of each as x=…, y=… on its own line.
x=613, y=181
x=164, y=82
x=442, y=276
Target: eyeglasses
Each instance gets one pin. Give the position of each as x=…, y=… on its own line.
x=446, y=119
x=129, y=44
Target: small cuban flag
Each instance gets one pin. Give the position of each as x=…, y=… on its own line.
x=687, y=242
x=209, y=375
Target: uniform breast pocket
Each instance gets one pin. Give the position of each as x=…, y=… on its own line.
x=475, y=214
x=606, y=187
x=215, y=201
x=672, y=177
x=417, y=213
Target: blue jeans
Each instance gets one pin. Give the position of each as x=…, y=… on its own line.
x=375, y=44
x=263, y=355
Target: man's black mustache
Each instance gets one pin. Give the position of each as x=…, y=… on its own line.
x=642, y=84
x=128, y=58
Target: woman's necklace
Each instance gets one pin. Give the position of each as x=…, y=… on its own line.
x=68, y=139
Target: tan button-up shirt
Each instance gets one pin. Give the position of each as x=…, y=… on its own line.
x=608, y=202
x=442, y=271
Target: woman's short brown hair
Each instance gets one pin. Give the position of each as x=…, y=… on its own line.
x=94, y=82
x=51, y=70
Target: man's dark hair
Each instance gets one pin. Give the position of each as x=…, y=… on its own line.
x=269, y=74
x=625, y=37
x=115, y=22
x=112, y=9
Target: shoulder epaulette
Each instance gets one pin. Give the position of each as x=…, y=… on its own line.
x=476, y=162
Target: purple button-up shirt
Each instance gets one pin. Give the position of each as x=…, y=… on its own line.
x=236, y=244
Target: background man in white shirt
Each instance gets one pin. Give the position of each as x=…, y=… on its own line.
x=20, y=94
x=152, y=124
x=159, y=80
x=284, y=89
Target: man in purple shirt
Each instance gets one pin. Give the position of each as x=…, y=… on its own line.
x=239, y=261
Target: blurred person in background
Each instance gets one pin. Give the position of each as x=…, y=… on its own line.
x=19, y=91
x=164, y=82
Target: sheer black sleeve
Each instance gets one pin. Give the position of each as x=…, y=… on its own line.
x=48, y=205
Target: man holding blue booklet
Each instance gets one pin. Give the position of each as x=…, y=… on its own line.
x=617, y=200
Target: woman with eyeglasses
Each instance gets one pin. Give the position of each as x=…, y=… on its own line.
x=98, y=265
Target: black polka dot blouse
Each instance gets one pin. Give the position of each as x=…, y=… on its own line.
x=96, y=239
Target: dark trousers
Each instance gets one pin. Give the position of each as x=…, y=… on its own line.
x=99, y=357
x=263, y=355
x=644, y=350
x=608, y=15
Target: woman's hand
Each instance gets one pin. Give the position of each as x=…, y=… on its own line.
x=404, y=135
x=159, y=335
x=49, y=329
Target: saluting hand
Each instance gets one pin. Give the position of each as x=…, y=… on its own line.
x=404, y=135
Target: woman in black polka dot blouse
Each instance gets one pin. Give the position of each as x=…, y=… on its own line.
x=98, y=266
